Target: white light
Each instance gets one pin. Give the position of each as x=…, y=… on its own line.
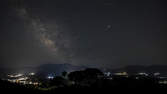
x=23, y=78
x=137, y=77
x=17, y=75
x=50, y=77
x=162, y=82
x=142, y=73
x=30, y=82
x=107, y=73
x=32, y=73
x=156, y=74
x=122, y=73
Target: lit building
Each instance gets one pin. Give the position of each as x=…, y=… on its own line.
x=163, y=82
x=143, y=74
x=107, y=74
x=122, y=74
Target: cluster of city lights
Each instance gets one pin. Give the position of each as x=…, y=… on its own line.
x=22, y=79
x=162, y=79
x=27, y=79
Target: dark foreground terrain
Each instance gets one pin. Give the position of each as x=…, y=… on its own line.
x=92, y=79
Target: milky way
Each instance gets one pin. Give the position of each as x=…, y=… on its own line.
x=54, y=40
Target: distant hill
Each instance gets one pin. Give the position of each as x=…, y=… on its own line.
x=57, y=69
x=139, y=68
x=44, y=69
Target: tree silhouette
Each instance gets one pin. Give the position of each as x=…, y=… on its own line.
x=64, y=74
x=85, y=77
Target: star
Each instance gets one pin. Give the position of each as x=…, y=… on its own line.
x=108, y=28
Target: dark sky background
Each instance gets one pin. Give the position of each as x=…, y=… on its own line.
x=99, y=33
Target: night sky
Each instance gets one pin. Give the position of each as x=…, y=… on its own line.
x=98, y=33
